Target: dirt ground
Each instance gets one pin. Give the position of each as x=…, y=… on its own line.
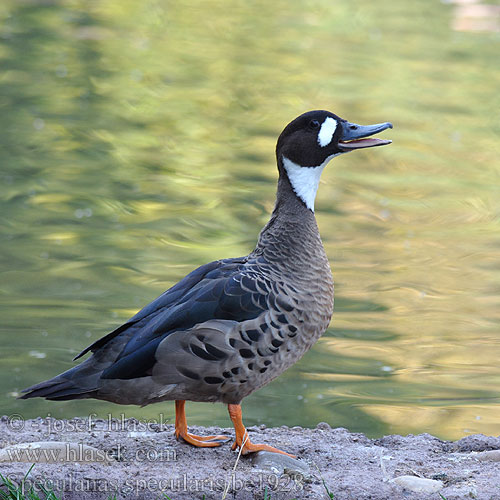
x=129, y=459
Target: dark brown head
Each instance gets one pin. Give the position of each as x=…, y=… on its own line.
x=309, y=142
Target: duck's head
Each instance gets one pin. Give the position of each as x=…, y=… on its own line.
x=309, y=142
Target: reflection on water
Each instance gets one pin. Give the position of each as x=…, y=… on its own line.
x=137, y=143
x=474, y=15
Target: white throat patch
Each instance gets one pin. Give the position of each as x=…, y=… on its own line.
x=305, y=180
x=326, y=131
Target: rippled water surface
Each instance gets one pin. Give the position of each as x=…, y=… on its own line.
x=137, y=142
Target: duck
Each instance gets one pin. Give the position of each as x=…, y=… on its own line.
x=233, y=325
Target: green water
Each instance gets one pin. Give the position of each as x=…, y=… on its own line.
x=137, y=142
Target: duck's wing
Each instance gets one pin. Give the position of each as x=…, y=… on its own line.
x=229, y=290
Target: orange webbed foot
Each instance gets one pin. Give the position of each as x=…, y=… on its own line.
x=202, y=441
x=181, y=431
x=242, y=440
x=249, y=447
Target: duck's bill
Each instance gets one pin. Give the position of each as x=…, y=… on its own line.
x=356, y=136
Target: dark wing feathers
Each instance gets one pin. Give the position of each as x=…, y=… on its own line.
x=225, y=290
x=134, y=364
x=167, y=298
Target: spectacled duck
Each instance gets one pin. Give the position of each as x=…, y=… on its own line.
x=233, y=325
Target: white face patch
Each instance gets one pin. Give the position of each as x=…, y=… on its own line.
x=326, y=131
x=305, y=180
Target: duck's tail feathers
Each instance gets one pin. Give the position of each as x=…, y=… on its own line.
x=60, y=389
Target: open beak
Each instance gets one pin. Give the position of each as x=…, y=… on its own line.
x=358, y=136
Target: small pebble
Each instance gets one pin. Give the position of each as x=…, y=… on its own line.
x=323, y=426
x=418, y=484
x=276, y=462
x=488, y=456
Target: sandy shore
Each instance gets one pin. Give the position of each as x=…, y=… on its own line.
x=133, y=460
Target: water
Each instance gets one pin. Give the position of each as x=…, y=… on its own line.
x=137, y=142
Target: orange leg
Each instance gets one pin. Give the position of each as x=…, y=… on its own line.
x=242, y=440
x=182, y=432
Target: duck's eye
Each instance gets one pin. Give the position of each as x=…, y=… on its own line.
x=314, y=124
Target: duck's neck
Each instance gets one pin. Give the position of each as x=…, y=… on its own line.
x=292, y=228
x=288, y=204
